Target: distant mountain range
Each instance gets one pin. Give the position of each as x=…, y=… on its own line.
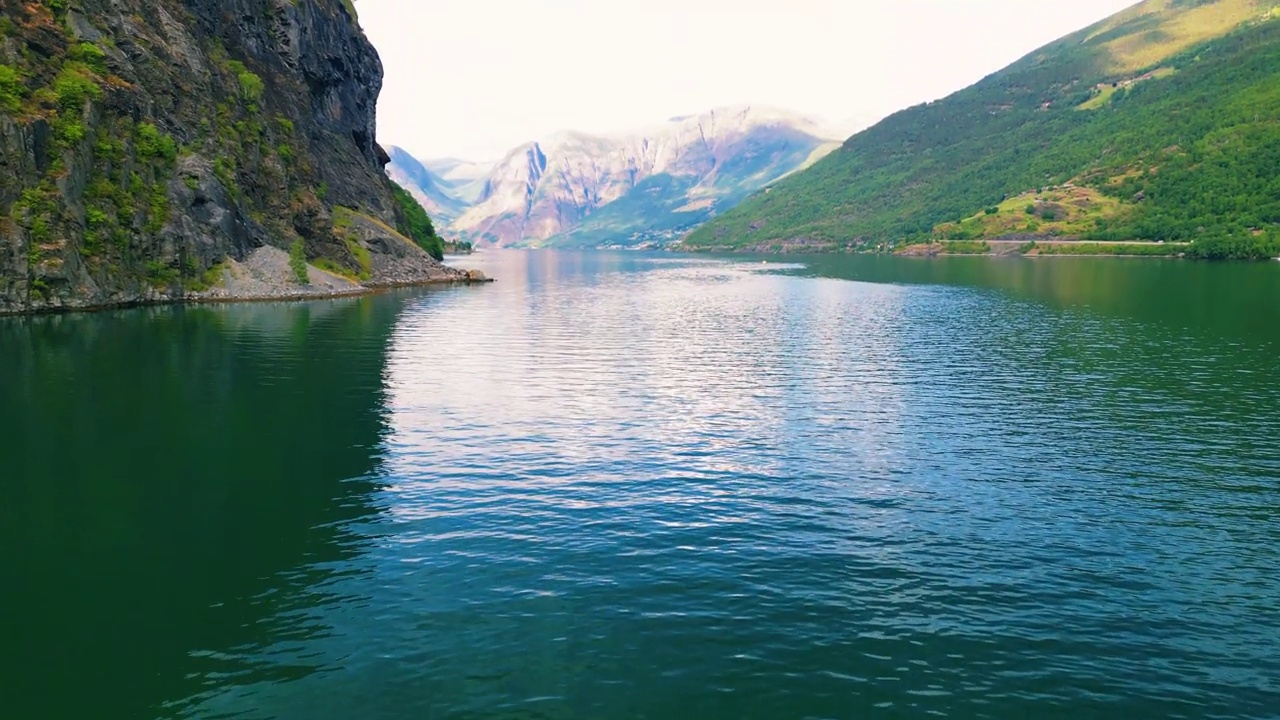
x=647, y=187
x=440, y=197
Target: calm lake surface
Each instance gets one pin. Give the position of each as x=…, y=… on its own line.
x=656, y=486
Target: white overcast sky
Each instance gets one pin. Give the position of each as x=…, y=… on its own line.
x=474, y=78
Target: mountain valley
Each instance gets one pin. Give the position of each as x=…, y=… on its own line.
x=640, y=189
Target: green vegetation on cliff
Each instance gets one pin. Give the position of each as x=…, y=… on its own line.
x=416, y=224
x=1162, y=123
x=145, y=144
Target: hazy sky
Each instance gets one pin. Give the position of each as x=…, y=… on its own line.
x=474, y=78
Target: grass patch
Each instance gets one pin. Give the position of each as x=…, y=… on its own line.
x=206, y=280
x=1175, y=28
x=1101, y=99
x=334, y=268
x=343, y=221
x=362, y=256
x=1067, y=211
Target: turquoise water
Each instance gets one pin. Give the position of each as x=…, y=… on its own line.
x=655, y=486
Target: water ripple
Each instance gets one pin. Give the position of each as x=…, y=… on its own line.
x=661, y=489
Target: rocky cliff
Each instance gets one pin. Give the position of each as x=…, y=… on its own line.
x=156, y=150
x=575, y=189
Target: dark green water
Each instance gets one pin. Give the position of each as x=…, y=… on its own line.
x=615, y=486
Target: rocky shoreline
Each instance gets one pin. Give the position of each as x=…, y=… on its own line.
x=266, y=276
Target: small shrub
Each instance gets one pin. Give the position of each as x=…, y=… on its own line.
x=12, y=91
x=100, y=189
x=69, y=131
x=251, y=86
x=160, y=274
x=298, y=262
x=152, y=144
x=41, y=232
x=224, y=168
x=993, y=210
x=90, y=244
x=157, y=209
x=1030, y=210
x=74, y=86
x=108, y=148
x=91, y=55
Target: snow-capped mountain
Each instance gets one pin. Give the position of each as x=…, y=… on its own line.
x=574, y=189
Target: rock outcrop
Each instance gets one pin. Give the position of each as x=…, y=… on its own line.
x=146, y=146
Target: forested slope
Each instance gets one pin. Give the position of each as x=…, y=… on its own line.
x=1166, y=118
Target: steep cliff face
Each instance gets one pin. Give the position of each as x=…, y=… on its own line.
x=585, y=190
x=148, y=147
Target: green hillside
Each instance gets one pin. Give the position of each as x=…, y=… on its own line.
x=1162, y=123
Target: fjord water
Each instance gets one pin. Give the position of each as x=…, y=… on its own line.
x=655, y=486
